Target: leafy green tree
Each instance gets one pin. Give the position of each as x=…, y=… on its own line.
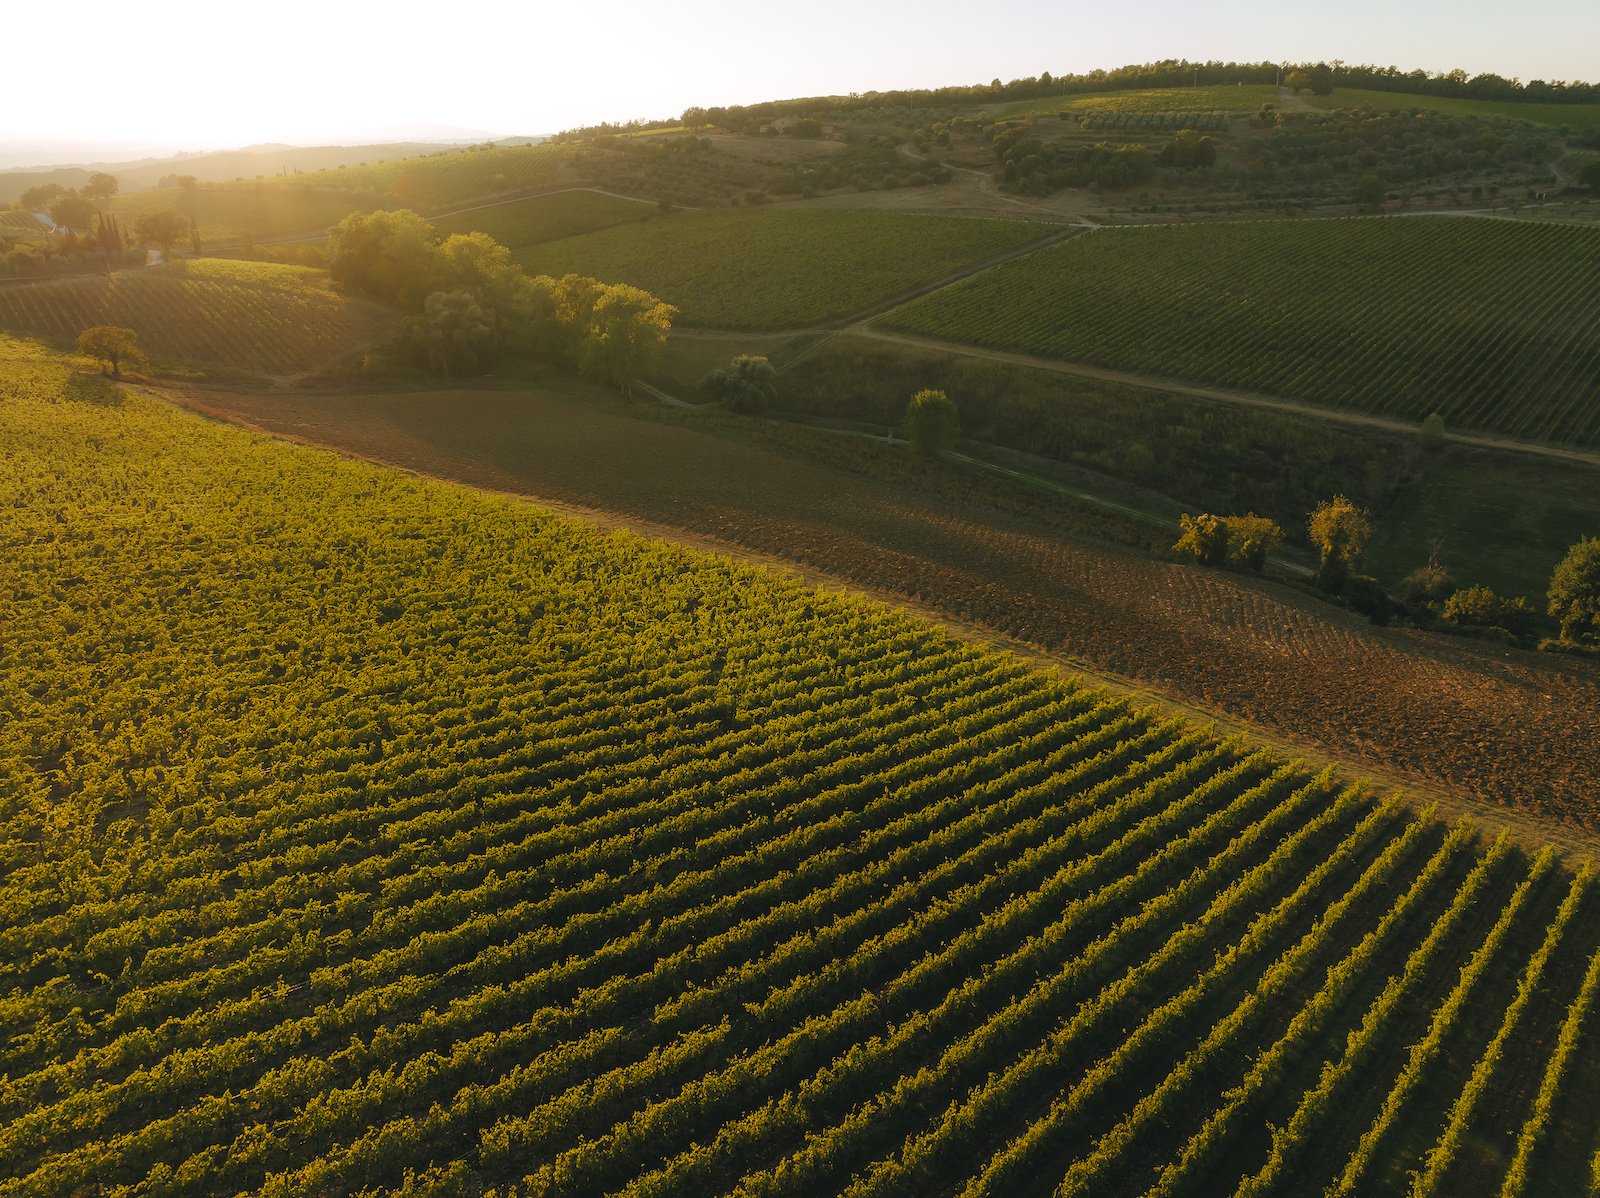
x=388, y=256
x=452, y=335
x=626, y=333
x=163, y=229
x=40, y=197
x=932, y=424
x=113, y=346
x=1297, y=81
x=1369, y=191
x=1340, y=531
x=480, y=265
x=1575, y=592
x=72, y=211
x=746, y=384
x=100, y=186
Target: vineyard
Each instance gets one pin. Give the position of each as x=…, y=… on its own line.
x=360, y=832
x=546, y=218
x=1490, y=323
x=198, y=316
x=1211, y=98
x=755, y=269
x=1119, y=121
x=21, y=225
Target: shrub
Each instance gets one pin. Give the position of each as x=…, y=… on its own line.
x=932, y=424
x=1480, y=607
x=746, y=384
x=1427, y=586
x=1238, y=541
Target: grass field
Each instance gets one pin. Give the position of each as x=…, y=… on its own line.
x=538, y=219
x=196, y=318
x=356, y=825
x=1499, y=519
x=773, y=269
x=1574, y=116
x=1490, y=323
x=1247, y=97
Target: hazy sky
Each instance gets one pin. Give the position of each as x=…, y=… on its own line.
x=212, y=75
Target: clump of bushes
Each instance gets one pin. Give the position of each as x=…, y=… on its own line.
x=1239, y=542
x=746, y=384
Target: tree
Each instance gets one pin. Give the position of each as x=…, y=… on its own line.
x=112, y=346
x=1250, y=539
x=39, y=199
x=1589, y=175
x=932, y=424
x=100, y=186
x=1340, y=531
x=164, y=229
x=1369, y=191
x=1575, y=592
x=1297, y=81
x=1204, y=538
x=452, y=334
x=746, y=384
x=1239, y=541
x=482, y=266
x=72, y=211
x=388, y=256
x=626, y=332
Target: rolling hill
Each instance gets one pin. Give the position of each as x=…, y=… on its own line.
x=364, y=832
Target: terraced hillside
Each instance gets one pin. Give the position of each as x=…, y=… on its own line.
x=774, y=269
x=276, y=319
x=1491, y=323
x=359, y=831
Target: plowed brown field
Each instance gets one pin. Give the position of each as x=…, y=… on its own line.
x=1515, y=728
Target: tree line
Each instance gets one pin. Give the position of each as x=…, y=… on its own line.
x=1454, y=84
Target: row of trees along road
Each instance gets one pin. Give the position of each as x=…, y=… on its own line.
x=470, y=305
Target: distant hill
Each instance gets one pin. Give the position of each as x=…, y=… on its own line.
x=222, y=166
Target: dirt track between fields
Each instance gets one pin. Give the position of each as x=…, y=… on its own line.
x=1454, y=720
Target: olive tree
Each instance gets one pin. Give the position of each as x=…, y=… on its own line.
x=1575, y=592
x=113, y=346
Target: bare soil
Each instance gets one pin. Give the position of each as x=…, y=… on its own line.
x=1509, y=733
